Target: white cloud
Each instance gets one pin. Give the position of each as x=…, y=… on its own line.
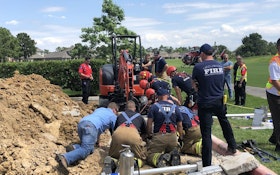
x=52, y=9
x=12, y=22
x=58, y=17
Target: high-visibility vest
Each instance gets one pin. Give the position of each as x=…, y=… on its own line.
x=276, y=59
x=238, y=73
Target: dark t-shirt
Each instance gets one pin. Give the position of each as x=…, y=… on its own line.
x=138, y=122
x=210, y=77
x=183, y=81
x=159, y=118
x=159, y=65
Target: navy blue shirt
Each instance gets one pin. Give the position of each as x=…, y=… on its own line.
x=158, y=117
x=159, y=65
x=160, y=83
x=183, y=81
x=210, y=77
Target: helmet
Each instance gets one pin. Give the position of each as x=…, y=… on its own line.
x=144, y=84
x=144, y=75
x=149, y=93
x=170, y=69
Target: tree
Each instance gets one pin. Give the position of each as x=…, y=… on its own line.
x=107, y=25
x=79, y=51
x=27, y=45
x=253, y=45
x=9, y=46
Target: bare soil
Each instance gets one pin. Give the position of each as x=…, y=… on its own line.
x=37, y=120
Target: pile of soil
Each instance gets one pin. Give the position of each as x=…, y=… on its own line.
x=37, y=121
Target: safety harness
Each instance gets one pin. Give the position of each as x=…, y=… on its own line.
x=194, y=118
x=128, y=122
x=167, y=120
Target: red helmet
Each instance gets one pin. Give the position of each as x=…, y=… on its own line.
x=144, y=75
x=144, y=84
x=149, y=93
x=170, y=69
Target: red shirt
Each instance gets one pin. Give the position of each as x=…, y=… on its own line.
x=85, y=69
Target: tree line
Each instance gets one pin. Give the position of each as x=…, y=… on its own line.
x=96, y=40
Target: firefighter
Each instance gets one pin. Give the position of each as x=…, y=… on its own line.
x=130, y=129
x=240, y=82
x=192, y=142
x=182, y=82
x=167, y=119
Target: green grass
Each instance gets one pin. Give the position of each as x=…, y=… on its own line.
x=257, y=77
x=257, y=69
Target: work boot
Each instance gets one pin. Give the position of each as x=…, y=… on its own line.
x=62, y=164
x=163, y=160
x=175, y=158
x=231, y=150
x=109, y=165
x=272, y=140
x=277, y=148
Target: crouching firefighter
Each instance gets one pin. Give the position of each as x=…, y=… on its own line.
x=192, y=140
x=167, y=119
x=130, y=129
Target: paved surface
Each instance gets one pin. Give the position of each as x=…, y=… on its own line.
x=255, y=91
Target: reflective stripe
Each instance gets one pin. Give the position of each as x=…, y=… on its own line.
x=155, y=158
x=238, y=73
x=275, y=59
x=198, y=147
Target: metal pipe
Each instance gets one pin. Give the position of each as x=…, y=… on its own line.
x=192, y=167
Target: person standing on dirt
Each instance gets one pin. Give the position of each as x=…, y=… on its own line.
x=130, y=129
x=240, y=82
x=182, y=82
x=208, y=80
x=167, y=119
x=228, y=65
x=85, y=73
x=160, y=66
x=90, y=128
x=273, y=96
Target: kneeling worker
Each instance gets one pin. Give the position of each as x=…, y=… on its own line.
x=166, y=116
x=192, y=138
x=129, y=129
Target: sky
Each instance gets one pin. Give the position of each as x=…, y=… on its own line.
x=175, y=23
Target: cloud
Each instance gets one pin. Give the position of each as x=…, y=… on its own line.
x=12, y=22
x=52, y=9
x=58, y=17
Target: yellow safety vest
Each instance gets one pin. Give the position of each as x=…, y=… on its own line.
x=276, y=59
x=238, y=73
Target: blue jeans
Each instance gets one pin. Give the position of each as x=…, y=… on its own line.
x=228, y=83
x=88, y=136
x=205, y=113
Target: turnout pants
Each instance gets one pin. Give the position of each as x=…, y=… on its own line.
x=160, y=144
x=127, y=136
x=191, y=137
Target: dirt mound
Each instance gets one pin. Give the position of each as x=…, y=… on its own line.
x=37, y=120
